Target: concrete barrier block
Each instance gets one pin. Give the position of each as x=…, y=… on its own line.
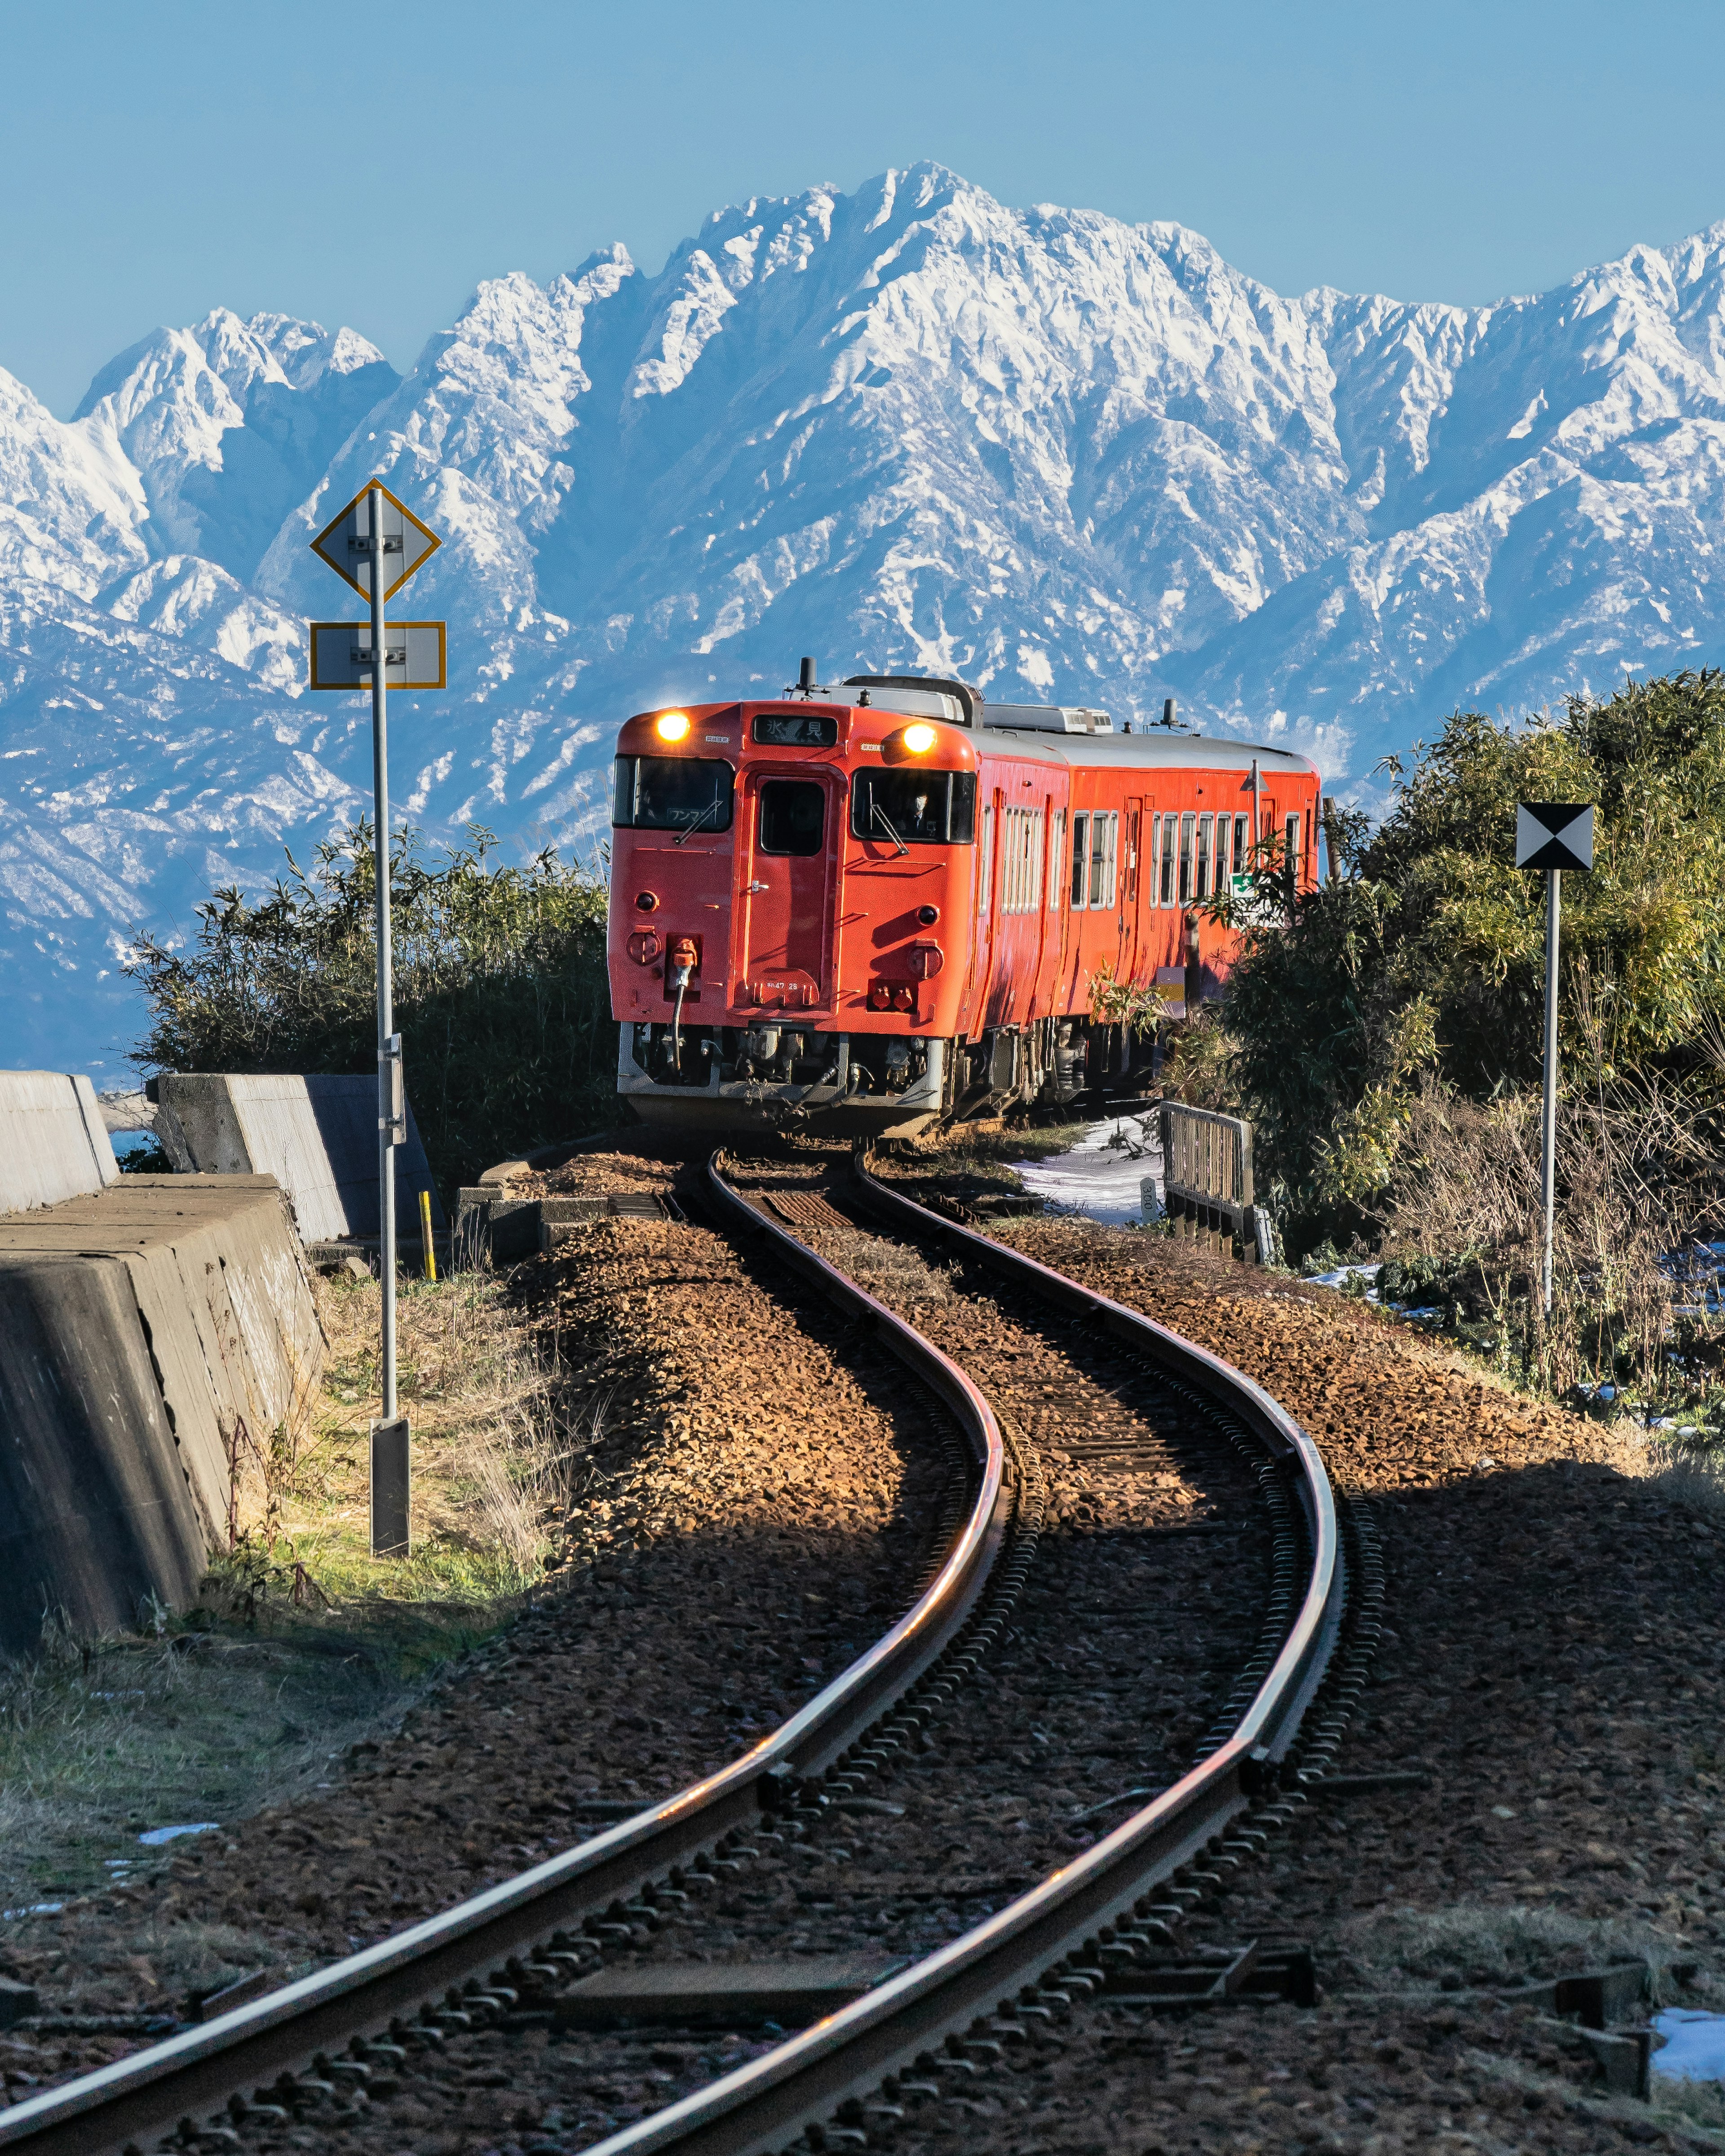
x=53, y=1143
x=317, y=1134
x=221, y=1292
x=95, y=1513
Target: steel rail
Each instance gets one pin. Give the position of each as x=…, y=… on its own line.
x=841, y=2060
x=153, y=2091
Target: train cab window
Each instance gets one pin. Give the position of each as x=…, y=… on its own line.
x=1056, y=855
x=1206, y=825
x=911, y=807
x=672, y=794
x=794, y=816
x=1167, y=893
x=1104, y=850
x=794, y=730
x=1080, y=854
x=1188, y=824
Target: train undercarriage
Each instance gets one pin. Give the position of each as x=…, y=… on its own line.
x=777, y=1074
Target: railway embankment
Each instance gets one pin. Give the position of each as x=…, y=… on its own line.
x=1534, y=1777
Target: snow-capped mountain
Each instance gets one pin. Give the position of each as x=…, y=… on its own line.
x=906, y=427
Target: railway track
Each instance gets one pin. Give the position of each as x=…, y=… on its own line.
x=1112, y=1904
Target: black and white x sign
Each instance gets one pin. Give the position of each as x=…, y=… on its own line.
x=1553, y=834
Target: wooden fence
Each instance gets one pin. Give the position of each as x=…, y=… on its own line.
x=1207, y=1177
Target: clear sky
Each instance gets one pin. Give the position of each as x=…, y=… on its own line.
x=368, y=164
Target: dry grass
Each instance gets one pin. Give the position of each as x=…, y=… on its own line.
x=1485, y=1944
x=491, y=1452
x=892, y=1270
x=303, y=1642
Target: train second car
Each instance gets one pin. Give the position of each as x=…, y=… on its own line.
x=887, y=906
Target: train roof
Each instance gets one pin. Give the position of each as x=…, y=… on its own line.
x=1156, y=749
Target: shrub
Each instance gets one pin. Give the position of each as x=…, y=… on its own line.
x=500, y=990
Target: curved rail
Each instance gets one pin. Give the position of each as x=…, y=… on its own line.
x=151, y=2091
x=842, y=2059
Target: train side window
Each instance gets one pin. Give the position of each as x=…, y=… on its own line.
x=1056, y=857
x=1154, y=858
x=1021, y=860
x=985, y=865
x=1132, y=821
x=1188, y=824
x=1291, y=851
x=1080, y=854
x=1206, y=825
x=1241, y=861
x=1104, y=843
x=960, y=824
x=794, y=816
x=1169, y=824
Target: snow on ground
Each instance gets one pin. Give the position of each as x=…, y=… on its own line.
x=1694, y=2048
x=1102, y=1176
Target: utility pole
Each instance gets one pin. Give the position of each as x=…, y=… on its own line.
x=375, y=544
x=1552, y=835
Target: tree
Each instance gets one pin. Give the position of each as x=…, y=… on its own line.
x=501, y=994
x=1427, y=954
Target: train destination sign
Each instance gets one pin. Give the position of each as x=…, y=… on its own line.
x=413, y=654
x=350, y=546
x=1554, y=835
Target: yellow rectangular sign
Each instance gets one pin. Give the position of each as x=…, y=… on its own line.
x=414, y=655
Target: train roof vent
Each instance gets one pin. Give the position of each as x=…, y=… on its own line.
x=922, y=696
x=1049, y=718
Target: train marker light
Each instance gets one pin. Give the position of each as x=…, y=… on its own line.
x=672, y=726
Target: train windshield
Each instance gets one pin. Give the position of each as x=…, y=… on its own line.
x=672, y=794
x=915, y=808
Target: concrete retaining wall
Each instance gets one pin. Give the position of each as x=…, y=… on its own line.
x=53, y=1143
x=317, y=1136
x=221, y=1302
x=95, y=1514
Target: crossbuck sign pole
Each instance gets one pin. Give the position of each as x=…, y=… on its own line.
x=1552, y=835
x=375, y=544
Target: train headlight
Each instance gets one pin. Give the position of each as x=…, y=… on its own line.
x=907, y=744
x=672, y=725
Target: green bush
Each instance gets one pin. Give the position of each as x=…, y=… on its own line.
x=501, y=994
x=1427, y=955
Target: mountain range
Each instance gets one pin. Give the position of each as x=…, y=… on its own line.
x=1068, y=458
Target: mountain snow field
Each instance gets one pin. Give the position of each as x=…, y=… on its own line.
x=1068, y=458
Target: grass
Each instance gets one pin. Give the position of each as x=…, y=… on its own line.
x=490, y=1455
x=1485, y=1945
x=302, y=1643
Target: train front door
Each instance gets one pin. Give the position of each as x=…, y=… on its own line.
x=788, y=879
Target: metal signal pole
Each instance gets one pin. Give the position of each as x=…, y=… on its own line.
x=1548, y=1163
x=388, y=1056
x=1552, y=835
x=357, y=544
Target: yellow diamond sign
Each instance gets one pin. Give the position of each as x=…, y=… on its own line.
x=351, y=546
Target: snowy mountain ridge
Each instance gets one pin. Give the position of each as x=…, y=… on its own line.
x=906, y=427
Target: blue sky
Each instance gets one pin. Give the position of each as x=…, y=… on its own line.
x=160, y=157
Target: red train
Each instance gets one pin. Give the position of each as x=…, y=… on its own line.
x=887, y=906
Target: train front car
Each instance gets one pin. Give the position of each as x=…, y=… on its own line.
x=790, y=883
x=899, y=906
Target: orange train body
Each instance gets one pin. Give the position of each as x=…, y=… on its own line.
x=887, y=911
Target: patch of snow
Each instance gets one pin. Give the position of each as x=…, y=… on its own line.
x=1103, y=1177
x=158, y=1834
x=1694, y=2047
